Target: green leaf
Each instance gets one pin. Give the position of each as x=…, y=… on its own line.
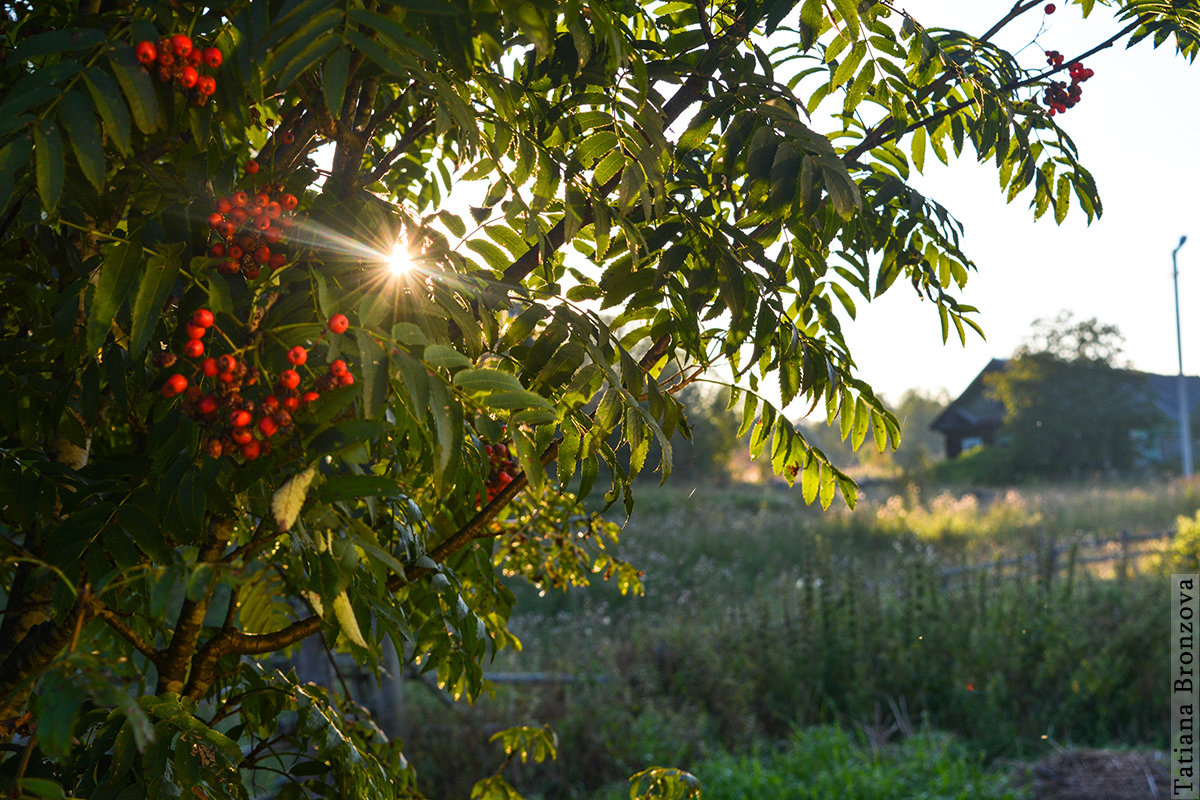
x=485, y=379
x=349, y=487
x=496, y=258
x=530, y=459
x=138, y=89
x=83, y=131
x=48, y=159
x=373, y=363
x=334, y=75
x=117, y=273
x=306, y=59
x=862, y=419
x=110, y=105
x=443, y=356
x=152, y=292
x=14, y=157
x=56, y=42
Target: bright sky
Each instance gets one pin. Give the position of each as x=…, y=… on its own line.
x=1137, y=128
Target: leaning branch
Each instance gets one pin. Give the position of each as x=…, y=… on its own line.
x=870, y=142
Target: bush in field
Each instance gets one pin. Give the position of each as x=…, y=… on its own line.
x=265, y=381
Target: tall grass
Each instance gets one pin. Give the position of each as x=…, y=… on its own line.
x=762, y=616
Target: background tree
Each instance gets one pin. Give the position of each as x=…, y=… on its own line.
x=1069, y=407
x=229, y=426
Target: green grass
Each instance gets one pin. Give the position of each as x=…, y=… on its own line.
x=763, y=616
x=826, y=762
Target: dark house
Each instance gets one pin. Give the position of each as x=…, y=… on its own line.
x=974, y=418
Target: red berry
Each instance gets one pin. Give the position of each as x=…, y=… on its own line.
x=206, y=85
x=286, y=137
x=217, y=250
x=212, y=57
x=346, y=380
x=214, y=448
x=165, y=59
x=227, y=363
x=147, y=54
x=215, y=219
x=208, y=405
x=338, y=368
x=272, y=235
x=309, y=397
x=289, y=202
x=262, y=199
x=194, y=331
x=297, y=355
x=194, y=348
x=203, y=317
x=209, y=367
x=234, y=251
x=338, y=323
x=277, y=260
x=268, y=426
x=240, y=199
x=195, y=58
x=289, y=379
x=174, y=385
x=252, y=167
x=226, y=229
x=227, y=377
x=242, y=435
x=251, y=450
x=238, y=215
x=262, y=222
x=240, y=419
x=188, y=77
x=269, y=404
x=229, y=267
x=291, y=403
x=181, y=45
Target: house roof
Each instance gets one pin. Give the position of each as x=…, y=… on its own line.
x=975, y=407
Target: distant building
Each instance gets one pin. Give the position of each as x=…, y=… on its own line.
x=975, y=417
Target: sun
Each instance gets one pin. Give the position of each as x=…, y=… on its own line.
x=399, y=261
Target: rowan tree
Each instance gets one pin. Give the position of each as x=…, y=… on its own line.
x=228, y=426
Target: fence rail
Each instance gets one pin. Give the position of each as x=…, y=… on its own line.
x=1125, y=548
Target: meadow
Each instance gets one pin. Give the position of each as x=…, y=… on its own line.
x=772, y=635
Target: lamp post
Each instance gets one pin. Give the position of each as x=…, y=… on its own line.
x=1185, y=423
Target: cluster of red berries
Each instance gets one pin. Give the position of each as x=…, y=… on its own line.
x=177, y=59
x=502, y=468
x=250, y=229
x=236, y=424
x=1059, y=96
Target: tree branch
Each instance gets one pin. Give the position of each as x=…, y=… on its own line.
x=180, y=652
x=869, y=143
x=477, y=527
x=418, y=128
x=114, y=621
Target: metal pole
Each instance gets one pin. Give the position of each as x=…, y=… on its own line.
x=1185, y=423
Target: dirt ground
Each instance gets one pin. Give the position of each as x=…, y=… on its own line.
x=1098, y=775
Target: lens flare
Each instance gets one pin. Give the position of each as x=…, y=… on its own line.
x=399, y=261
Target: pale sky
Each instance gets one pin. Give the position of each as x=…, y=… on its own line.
x=1137, y=128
